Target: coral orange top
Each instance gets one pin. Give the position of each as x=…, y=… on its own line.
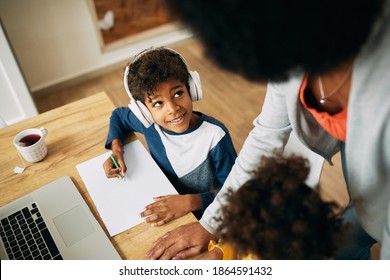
x=335, y=125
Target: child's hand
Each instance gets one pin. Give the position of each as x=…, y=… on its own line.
x=110, y=169
x=169, y=207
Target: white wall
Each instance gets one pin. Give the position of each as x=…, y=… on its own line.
x=56, y=40
x=16, y=102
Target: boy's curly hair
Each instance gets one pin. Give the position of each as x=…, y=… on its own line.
x=270, y=39
x=155, y=66
x=275, y=215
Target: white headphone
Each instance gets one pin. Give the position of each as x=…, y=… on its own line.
x=140, y=110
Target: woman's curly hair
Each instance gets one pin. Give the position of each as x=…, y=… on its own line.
x=270, y=39
x=275, y=215
x=152, y=67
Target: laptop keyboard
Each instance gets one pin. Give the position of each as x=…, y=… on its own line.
x=26, y=237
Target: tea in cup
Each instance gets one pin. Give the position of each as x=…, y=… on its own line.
x=30, y=143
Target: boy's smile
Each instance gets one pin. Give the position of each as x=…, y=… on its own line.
x=178, y=120
x=171, y=106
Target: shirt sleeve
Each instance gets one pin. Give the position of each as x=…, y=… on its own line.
x=223, y=156
x=385, y=246
x=122, y=122
x=270, y=134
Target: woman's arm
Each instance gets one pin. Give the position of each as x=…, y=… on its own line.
x=270, y=134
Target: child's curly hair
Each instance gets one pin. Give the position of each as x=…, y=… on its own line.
x=155, y=66
x=275, y=215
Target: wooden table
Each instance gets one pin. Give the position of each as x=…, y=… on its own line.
x=76, y=133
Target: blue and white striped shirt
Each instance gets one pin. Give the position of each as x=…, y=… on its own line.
x=196, y=161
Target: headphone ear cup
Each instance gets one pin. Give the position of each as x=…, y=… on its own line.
x=137, y=107
x=195, y=86
x=141, y=112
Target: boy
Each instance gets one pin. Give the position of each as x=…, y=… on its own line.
x=275, y=215
x=194, y=151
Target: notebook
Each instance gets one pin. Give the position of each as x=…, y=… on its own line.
x=119, y=202
x=53, y=222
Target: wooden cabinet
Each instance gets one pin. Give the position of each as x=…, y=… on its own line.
x=130, y=17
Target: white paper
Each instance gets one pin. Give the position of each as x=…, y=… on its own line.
x=120, y=202
x=18, y=170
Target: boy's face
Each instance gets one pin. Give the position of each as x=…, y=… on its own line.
x=171, y=106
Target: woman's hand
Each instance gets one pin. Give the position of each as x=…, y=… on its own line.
x=169, y=207
x=181, y=243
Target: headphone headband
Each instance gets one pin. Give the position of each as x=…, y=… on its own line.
x=136, y=57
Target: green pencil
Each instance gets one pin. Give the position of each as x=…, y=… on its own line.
x=116, y=165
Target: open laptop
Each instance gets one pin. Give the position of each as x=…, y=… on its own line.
x=53, y=222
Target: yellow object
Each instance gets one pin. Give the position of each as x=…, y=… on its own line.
x=228, y=252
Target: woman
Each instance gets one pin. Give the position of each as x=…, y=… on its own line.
x=329, y=68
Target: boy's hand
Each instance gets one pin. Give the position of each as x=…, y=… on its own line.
x=169, y=207
x=109, y=167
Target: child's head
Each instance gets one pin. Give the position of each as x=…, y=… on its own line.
x=152, y=67
x=275, y=215
x=160, y=79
